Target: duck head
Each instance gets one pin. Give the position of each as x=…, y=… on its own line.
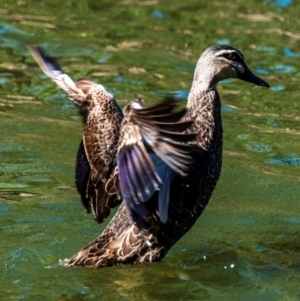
x=221, y=62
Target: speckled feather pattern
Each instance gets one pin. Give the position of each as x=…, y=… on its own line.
x=189, y=197
x=116, y=142
x=102, y=123
x=100, y=138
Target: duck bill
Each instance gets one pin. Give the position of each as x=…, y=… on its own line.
x=248, y=76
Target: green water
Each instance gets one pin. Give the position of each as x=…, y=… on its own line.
x=246, y=244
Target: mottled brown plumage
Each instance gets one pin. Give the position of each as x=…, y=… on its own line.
x=162, y=166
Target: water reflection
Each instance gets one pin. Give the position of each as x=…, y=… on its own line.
x=258, y=147
x=262, y=70
x=270, y=50
x=159, y=15
x=288, y=161
x=283, y=68
x=277, y=88
x=287, y=52
x=280, y=3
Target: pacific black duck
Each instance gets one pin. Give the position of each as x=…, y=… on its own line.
x=160, y=165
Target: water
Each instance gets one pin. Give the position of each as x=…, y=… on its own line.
x=246, y=244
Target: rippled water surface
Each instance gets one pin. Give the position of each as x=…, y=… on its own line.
x=246, y=244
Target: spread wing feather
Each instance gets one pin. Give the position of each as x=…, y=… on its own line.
x=95, y=166
x=150, y=152
x=82, y=174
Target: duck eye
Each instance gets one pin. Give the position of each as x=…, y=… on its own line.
x=232, y=56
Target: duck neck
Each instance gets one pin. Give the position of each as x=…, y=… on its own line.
x=205, y=77
x=204, y=108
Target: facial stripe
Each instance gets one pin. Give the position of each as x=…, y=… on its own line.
x=229, y=51
x=237, y=63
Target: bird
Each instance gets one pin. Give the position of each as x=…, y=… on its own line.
x=159, y=164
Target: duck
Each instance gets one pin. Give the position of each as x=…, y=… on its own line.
x=159, y=165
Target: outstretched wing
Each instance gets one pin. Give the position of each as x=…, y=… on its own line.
x=152, y=149
x=100, y=139
x=96, y=177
